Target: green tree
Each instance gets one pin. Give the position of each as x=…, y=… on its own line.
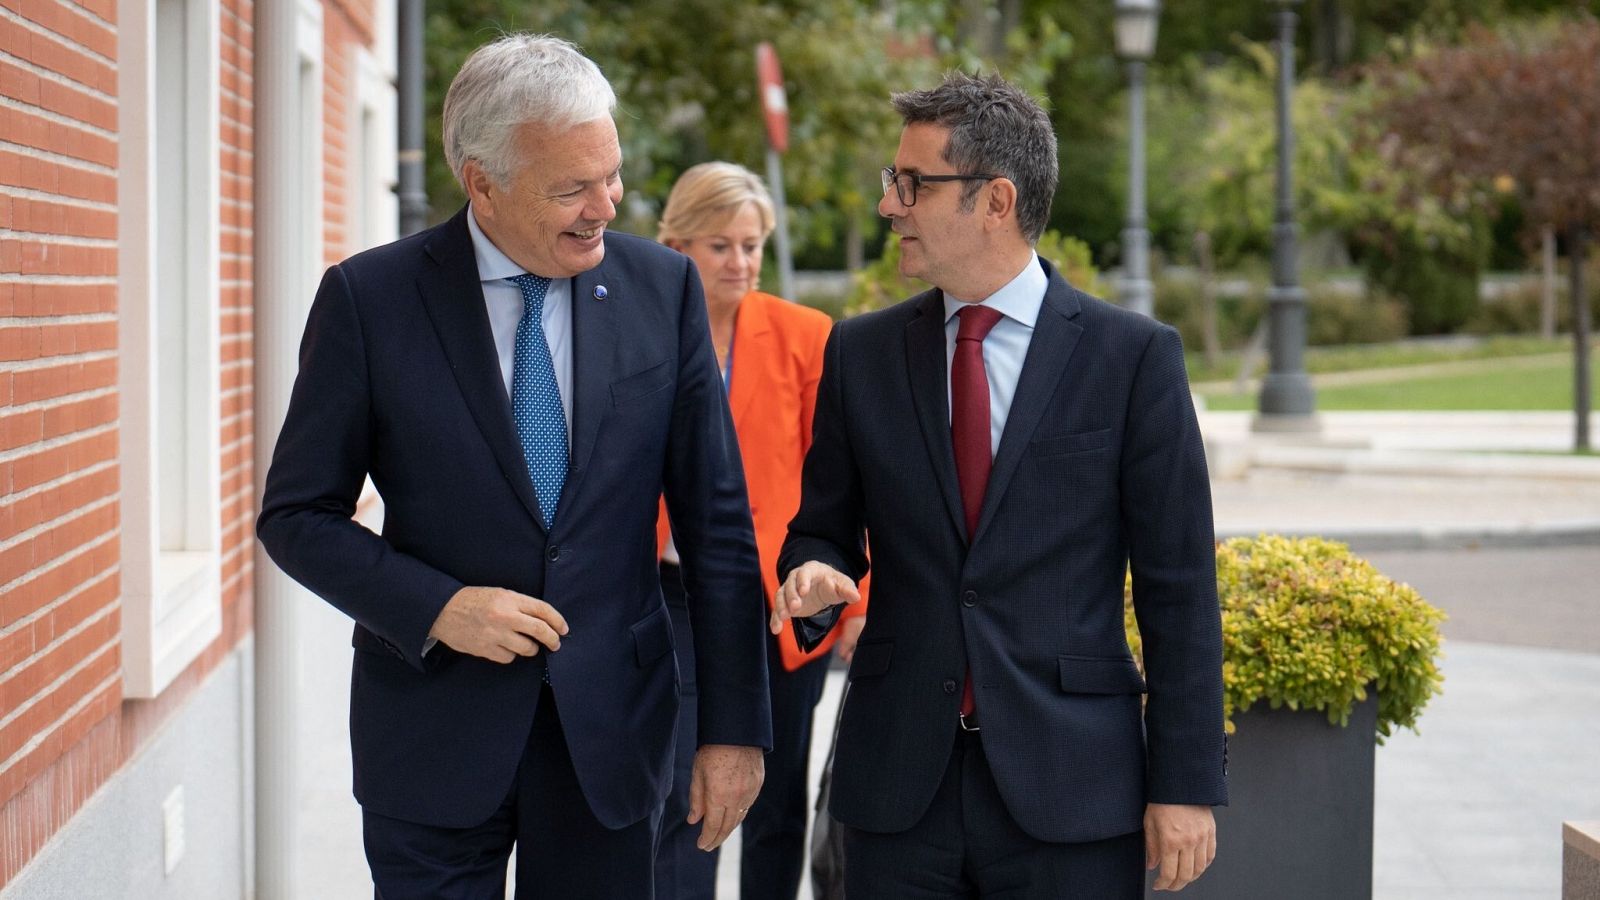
x=1514, y=109
x=684, y=72
x=1214, y=152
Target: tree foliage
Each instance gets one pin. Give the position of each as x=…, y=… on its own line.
x=684, y=71
x=880, y=284
x=1514, y=110
x=1214, y=152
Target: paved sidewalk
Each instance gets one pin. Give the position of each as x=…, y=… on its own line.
x=1470, y=808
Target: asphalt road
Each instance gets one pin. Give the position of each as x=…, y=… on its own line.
x=1545, y=597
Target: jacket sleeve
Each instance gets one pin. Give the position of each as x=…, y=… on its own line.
x=829, y=527
x=318, y=467
x=1166, y=511
x=710, y=511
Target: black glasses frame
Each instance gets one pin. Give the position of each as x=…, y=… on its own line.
x=916, y=180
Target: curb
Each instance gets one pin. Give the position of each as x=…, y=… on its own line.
x=1425, y=463
x=1576, y=533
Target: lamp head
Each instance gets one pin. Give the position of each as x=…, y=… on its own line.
x=1136, y=22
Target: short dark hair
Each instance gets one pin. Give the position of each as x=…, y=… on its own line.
x=995, y=127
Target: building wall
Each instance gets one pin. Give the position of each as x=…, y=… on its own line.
x=115, y=846
x=67, y=724
x=60, y=687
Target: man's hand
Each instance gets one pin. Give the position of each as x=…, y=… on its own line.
x=811, y=588
x=849, y=636
x=1181, y=839
x=725, y=782
x=498, y=624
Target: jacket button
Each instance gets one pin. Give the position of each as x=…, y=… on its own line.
x=949, y=685
x=553, y=554
x=969, y=598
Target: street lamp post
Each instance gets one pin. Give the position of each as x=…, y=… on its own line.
x=411, y=177
x=1287, y=402
x=1136, y=22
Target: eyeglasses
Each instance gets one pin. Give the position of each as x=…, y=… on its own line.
x=906, y=183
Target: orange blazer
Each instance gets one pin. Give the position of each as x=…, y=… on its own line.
x=777, y=361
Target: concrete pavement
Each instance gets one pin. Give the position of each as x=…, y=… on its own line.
x=1472, y=806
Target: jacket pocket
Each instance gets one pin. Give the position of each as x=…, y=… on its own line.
x=871, y=659
x=1100, y=675
x=641, y=384
x=652, y=637
x=1061, y=445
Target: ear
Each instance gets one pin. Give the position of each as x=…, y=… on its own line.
x=675, y=244
x=1000, y=204
x=480, y=188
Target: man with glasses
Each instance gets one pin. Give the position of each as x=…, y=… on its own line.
x=1014, y=445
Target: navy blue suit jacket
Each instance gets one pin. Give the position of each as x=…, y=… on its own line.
x=1100, y=464
x=399, y=379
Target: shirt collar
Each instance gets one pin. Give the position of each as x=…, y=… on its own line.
x=493, y=265
x=1019, y=300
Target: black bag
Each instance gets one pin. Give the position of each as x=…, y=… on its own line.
x=827, y=836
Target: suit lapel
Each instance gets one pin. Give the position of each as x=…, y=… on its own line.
x=925, y=352
x=594, y=337
x=751, y=375
x=1055, y=336
x=453, y=297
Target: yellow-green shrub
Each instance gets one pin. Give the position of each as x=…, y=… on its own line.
x=881, y=284
x=1309, y=625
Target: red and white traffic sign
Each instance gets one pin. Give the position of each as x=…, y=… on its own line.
x=773, y=99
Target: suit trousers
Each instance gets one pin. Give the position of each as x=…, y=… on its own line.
x=562, y=850
x=967, y=846
x=773, y=836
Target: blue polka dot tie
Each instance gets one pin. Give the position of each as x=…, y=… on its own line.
x=536, y=400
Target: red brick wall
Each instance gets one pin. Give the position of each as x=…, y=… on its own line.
x=64, y=726
x=346, y=24
x=235, y=320
x=60, y=682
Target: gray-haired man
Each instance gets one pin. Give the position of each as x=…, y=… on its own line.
x=522, y=386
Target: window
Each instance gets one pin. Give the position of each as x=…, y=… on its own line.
x=168, y=262
x=376, y=209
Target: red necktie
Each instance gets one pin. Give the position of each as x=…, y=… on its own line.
x=969, y=425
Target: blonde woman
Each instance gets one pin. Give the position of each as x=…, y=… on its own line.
x=770, y=354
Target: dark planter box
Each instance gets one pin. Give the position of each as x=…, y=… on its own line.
x=1299, y=819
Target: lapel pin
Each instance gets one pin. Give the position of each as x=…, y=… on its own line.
x=600, y=292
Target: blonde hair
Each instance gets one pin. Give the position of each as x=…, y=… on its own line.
x=707, y=196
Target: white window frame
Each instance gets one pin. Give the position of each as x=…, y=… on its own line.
x=374, y=167
x=171, y=598
x=311, y=107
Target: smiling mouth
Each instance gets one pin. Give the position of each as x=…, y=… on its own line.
x=588, y=235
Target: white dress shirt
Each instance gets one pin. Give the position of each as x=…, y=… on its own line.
x=503, y=299
x=1006, y=347
x=504, y=302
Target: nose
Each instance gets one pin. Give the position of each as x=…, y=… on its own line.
x=890, y=206
x=602, y=207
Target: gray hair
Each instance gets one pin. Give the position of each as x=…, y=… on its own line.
x=995, y=128
x=512, y=81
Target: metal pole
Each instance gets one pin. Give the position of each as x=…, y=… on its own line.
x=1287, y=402
x=1136, y=290
x=1580, y=338
x=781, y=235
x=412, y=192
